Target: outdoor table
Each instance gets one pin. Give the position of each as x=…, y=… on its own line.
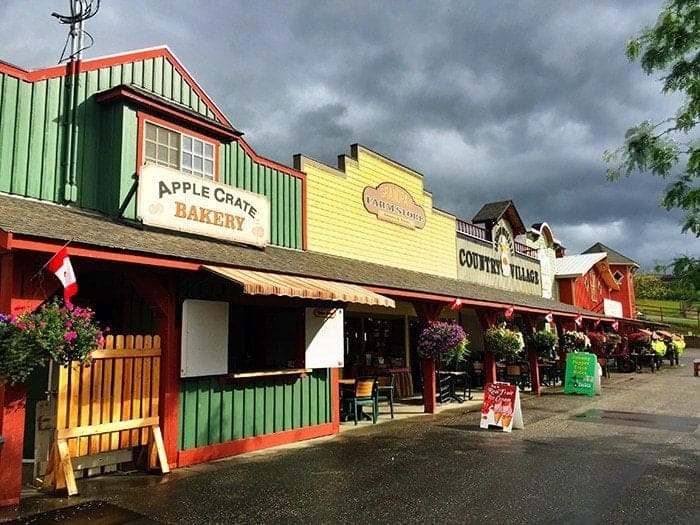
x=455, y=375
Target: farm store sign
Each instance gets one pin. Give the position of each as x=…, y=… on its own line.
x=170, y=199
x=392, y=203
x=480, y=263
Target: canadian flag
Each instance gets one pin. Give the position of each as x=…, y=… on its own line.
x=60, y=265
x=549, y=318
x=579, y=321
x=456, y=304
x=509, y=313
x=615, y=325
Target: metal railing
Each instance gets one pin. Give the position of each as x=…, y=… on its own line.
x=477, y=232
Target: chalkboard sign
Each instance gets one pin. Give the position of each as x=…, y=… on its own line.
x=581, y=371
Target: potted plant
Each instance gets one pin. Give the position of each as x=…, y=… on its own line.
x=678, y=344
x=446, y=342
x=575, y=341
x=54, y=331
x=659, y=347
x=504, y=343
x=639, y=342
x=544, y=342
x=611, y=342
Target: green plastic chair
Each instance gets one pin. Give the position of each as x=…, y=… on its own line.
x=365, y=394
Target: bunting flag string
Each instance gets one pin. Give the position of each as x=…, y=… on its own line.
x=456, y=304
x=549, y=318
x=579, y=321
x=615, y=325
x=509, y=312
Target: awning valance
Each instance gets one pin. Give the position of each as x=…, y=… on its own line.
x=268, y=283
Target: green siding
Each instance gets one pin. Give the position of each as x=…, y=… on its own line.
x=33, y=134
x=284, y=191
x=212, y=411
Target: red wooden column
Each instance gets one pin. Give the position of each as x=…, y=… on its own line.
x=531, y=322
x=428, y=311
x=159, y=292
x=18, y=293
x=487, y=319
x=14, y=401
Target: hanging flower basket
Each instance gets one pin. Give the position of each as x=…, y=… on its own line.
x=55, y=331
x=504, y=342
x=444, y=341
x=575, y=341
x=678, y=345
x=659, y=347
x=639, y=342
x=544, y=342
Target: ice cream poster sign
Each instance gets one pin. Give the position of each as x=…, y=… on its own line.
x=170, y=199
x=581, y=373
x=501, y=407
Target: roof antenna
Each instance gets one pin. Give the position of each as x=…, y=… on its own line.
x=80, y=10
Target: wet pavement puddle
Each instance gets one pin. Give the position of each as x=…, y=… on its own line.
x=94, y=512
x=638, y=419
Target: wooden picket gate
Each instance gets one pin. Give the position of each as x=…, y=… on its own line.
x=108, y=405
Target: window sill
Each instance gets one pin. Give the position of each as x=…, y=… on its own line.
x=267, y=373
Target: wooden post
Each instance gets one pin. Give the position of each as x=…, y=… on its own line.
x=531, y=321
x=427, y=312
x=487, y=319
x=14, y=401
x=534, y=371
x=159, y=292
x=490, y=366
x=429, y=386
x=18, y=293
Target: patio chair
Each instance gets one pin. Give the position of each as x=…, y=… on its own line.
x=385, y=390
x=364, y=394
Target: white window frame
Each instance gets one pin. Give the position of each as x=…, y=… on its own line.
x=195, y=155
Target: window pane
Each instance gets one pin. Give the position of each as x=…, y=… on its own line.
x=174, y=157
x=150, y=131
x=198, y=164
x=208, y=167
x=150, y=151
x=162, y=153
x=186, y=161
x=186, y=143
x=198, y=147
x=208, y=150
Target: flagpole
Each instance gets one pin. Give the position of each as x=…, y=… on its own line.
x=38, y=272
x=54, y=255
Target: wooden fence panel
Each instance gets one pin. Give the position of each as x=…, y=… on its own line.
x=120, y=384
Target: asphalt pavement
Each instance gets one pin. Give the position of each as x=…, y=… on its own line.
x=629, y=455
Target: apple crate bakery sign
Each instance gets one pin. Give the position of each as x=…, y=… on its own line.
x=170, y=199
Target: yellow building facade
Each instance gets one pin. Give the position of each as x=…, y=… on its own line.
x=373, y=209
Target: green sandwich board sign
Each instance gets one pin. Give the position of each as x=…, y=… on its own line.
x=581, y=370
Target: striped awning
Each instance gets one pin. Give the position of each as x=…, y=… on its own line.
x=267, y=283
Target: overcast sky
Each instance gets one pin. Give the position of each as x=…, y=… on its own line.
x=489, y=100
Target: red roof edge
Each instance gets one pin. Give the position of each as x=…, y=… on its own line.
x=115, y=60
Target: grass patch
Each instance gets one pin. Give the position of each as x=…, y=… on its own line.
x=670, y=312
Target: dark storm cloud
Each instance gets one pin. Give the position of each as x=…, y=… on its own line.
x=488, y=100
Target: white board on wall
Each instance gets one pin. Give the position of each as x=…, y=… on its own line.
x=204, y=338
x=324, y=337
x=612, y=308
